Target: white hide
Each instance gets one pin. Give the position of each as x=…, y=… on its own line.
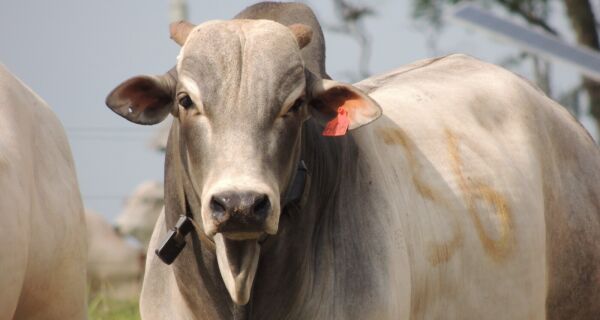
x=454, y=173
x=42, y=242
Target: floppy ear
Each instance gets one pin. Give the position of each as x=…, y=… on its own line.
x=341, y=107
x=143, y=99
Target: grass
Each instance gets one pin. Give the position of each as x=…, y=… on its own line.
x=100, y=308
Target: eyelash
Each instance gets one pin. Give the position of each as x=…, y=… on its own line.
x=296, y=106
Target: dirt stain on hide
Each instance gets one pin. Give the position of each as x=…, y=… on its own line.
x=397, y=136
x=439, y=252
x=474, y=191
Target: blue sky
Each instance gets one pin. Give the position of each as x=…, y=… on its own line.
x=72, y=53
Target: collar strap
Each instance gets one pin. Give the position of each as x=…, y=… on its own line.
x=297, y=193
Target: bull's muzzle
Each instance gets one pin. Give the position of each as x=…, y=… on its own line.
x=239, y=219
x=240, y=213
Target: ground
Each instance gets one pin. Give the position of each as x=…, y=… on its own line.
x=100, y=308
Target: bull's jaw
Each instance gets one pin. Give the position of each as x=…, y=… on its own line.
x=238, y=261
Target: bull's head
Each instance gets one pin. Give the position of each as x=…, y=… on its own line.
x=240, y=95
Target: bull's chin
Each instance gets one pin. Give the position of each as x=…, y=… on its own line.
x=237, y=257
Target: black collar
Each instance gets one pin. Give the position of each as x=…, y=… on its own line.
x=298, y=190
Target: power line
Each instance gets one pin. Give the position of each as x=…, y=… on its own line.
x=110, y=129
x=101, y=197
x=112, y=139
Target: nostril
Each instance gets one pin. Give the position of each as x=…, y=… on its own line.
x=231, y=210
x=218, y=208
x=262, y=205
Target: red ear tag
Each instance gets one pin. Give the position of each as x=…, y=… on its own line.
x=338, y=126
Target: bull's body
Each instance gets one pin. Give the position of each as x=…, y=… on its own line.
x=42, y=243
x=474, y=196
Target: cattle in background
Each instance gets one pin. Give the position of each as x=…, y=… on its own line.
x=115, y=266
x=42, y=242
x=474, y=196
x=141, y=211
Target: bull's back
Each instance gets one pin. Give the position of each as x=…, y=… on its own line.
x=471, y=167
x=40, y=206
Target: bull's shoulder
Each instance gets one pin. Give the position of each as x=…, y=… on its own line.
x=486, y=107
x=458, y=89
x=30, y=130
x=19, y=103
x=16, y=102
x=14, y=94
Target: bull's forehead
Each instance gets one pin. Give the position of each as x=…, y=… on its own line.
x=256, y=62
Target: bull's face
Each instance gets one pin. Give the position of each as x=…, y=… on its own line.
x=241, y=103
x=240, y=94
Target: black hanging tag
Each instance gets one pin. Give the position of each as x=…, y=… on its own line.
x=175, y=241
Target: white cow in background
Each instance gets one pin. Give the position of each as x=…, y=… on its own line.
x=141, y=211
x=42, y=238
x=115, y=267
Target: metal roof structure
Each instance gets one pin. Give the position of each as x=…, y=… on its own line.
x=585, y=60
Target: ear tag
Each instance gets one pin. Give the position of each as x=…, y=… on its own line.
x=338, y=126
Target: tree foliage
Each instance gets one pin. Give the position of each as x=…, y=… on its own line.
x=580, y=13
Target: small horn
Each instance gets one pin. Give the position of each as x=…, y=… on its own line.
x=302, y=33
x=180, y=30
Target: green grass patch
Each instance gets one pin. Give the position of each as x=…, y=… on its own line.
x=100, y=308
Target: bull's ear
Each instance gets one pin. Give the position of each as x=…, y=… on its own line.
x=143, y=99
x=341, y=107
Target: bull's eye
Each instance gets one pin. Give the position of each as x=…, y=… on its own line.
x=186, y=102
x=297, y=105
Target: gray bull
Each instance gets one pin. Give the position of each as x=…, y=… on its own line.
x=474, y=197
